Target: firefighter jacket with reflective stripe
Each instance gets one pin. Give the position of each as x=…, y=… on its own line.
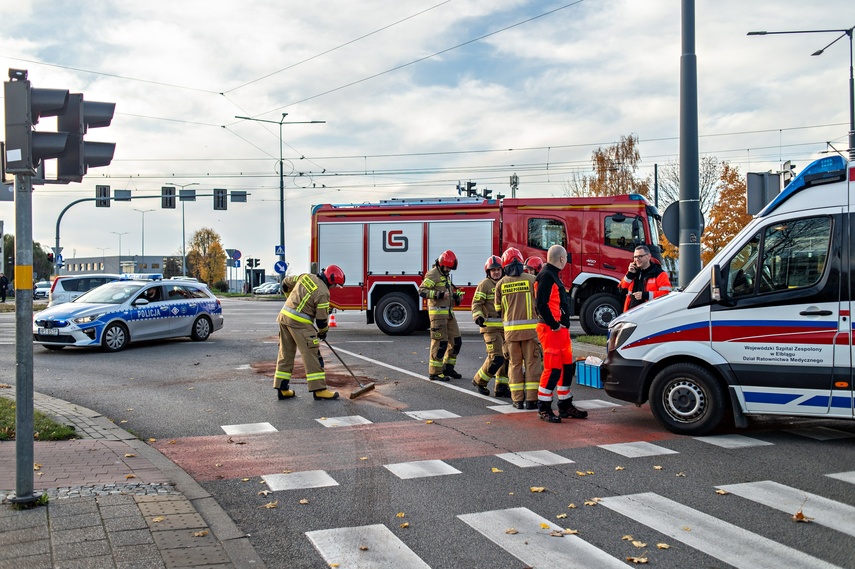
x=483, y=305
x=432, y=284
x=514, y=300
x=308, y=302
x=653, y=282
x=552, y=301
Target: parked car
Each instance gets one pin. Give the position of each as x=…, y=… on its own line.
x=267, y=288
x=68, y=287
x=41, y=289
x=118, y=313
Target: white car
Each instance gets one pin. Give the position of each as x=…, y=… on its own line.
x=68, y=287
x=41, y=289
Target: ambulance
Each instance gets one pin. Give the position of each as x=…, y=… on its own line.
x=764, y=329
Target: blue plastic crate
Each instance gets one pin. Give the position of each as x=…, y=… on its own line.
x=588, y=375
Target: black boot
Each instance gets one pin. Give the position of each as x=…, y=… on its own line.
x=502, y=390
x=544, y=411
x=518, y=404
x=531, y=405
x=450, y=372
x=567, y=410
x=482, y=389
x=284, y=392
x=437, y=377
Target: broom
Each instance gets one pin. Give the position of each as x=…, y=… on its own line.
x=363, y=389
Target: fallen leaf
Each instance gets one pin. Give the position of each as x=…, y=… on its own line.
x=590, y=472
x=561, y=516
x=556, y=533
x=590, y=503
x=152, y=440
x=663, y=546
x=571, y=506
x=681, y=474
x=627, y=538
x=619, y=468
x=5, y=386
x=637, y=560
x=363, y=458
x=270, y=505
x=405, y=525
x=333, y=564
x=123, y=421
x=722, y=492
x=37, y=466
x=202, y=533
x=218, y=464
x=363, y=548
x=400, y=514
x=173, y=441
x=510, y=493
x=511, y=531
x=287, y=471
x=538, y=489
x=129, y=476
x=686, y=528
x=158, y=519
x=497, y=469
x=244, y=479
x=129, y=455
x=265, y=493
x=304, y=501
x=40, y=474
x=544, y=526
x=580, y=473
x=658, y=468
x=429, y=422
x=190, y=388
x=638, y=544
x=569, y=531
x=800, y=517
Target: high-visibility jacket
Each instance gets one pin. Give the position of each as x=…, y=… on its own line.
x=432, y=284
x=483, y=305
x=552, y=301
x=514, y=299
x=653, y=282
x=308, y=302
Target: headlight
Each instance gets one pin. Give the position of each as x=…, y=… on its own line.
x=86, y=319
x=619, y=334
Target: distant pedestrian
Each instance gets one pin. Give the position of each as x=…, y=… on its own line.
x=306, y=307
x=4, y=285
x=645, y=279
x=442, y=296
x=490, y=323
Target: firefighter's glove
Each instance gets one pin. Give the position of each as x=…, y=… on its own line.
x=439, y=294
x=458, y=297
x=480, y=321
x=322, y=335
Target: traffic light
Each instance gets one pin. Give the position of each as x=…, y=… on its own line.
x=487, y=193
x=221, y=199
x=470, y=189
x=102, y=195
x=167, y=199
x=79, y=155
x=24, y=106
x=50, y=258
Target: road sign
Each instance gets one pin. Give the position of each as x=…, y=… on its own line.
x=280, y=250
x=236, y=254
x=280, y=267
x=236, y=263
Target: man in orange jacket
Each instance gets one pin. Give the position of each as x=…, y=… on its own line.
x=645, y=279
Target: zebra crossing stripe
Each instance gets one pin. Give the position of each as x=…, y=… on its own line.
x=732, y=441
x=249, y=429
x=637, y=449
x=724, y=541
x=527, y=459
x=844, y=476
x=533, y=545
x=421, y=469
x=825, y=512
x=366, y=547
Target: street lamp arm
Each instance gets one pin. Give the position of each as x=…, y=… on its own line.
x=765, y=33
x=843, y=35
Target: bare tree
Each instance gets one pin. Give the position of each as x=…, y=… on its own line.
x=710, y=173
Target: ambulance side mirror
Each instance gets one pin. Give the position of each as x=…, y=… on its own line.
x=718, y=286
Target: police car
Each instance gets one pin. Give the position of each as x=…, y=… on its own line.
x=115, y=314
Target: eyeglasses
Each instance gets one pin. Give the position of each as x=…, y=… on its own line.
x=640, y=256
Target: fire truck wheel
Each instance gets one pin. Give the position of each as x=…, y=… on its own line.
x=396, y=314
x=687, y=399
x=597, y=312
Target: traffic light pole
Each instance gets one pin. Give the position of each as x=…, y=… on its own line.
x=24, y=453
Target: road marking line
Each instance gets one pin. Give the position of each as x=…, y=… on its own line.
x=299, y=480
x=249, y=429
x=825, y=512
x=343, y=421
x=637, y=449
x=433, y=414
x=724, y=541
x=820, y=433
x=507, y=409
x=526, y=459
x=421, y=469
x=244, y=366
x=595, y=404
x=732, y=441
x=844, y=476
x=368, y=547
x=533, y=544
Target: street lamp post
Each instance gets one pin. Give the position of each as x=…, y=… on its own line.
x=280, y=122
x=120, y=247
x=103, y=258
x=183, y=234
x=843, y=32
x=142, y=246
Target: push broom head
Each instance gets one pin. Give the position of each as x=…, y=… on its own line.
x=362, y=390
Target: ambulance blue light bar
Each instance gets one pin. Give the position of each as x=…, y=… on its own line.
x=823, y=171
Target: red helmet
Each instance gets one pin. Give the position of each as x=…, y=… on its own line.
x=510, y=256
x=448, y=260
x=493, y=262
x=533, y=263
x=334, y=275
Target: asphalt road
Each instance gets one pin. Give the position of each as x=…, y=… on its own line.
x=454, y=466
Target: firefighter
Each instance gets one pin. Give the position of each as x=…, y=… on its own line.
x=645, y=279
x=533, y=265
x=490, y=323
x=514, y=300
x=306, y=307
x=553, y=330
x=442, y=296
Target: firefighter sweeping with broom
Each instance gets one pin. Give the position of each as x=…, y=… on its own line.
x=306, y=307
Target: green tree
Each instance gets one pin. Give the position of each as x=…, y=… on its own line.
x=206, y=259
x=728, y=215
x=41, y=266
x=614, y=172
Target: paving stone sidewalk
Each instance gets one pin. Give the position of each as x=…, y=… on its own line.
x=113, y=502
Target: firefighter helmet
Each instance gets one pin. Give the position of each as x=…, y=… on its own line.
x=533, y=264
x=510, y=256
x=493, y=262
x=333, y=275
x=447, y=260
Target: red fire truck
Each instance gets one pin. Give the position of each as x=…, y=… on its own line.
x=385, y=249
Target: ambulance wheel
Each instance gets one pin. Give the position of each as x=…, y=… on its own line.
x=598, y=312
x=201, y=329
x=396, y=314
x=687, y=399
x=114, y=337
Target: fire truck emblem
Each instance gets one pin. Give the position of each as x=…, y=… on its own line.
x=395, y=241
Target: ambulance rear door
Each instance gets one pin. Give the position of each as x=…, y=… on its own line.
x=785, y=327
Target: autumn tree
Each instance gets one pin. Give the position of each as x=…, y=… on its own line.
x=614, y=169
x=206, y=259
x=727, y=215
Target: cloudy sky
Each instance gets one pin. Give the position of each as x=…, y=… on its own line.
x=416, y=95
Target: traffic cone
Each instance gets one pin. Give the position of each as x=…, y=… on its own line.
x=332, y=321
